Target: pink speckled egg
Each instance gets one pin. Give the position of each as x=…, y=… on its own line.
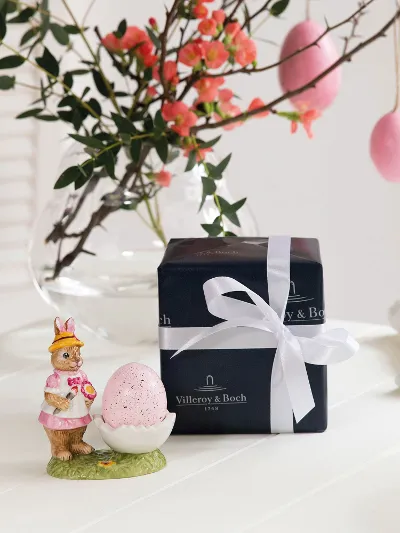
x=134, y=396
x=385, y=146
x=305, y=66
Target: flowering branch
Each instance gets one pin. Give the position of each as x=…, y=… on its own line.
x=354, y=19
x=158, y=118
x=270, y=106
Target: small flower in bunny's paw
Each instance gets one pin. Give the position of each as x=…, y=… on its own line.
x=88, y=390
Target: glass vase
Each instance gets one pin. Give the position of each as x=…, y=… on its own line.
x=110, y=286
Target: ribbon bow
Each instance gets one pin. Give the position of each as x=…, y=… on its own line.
x=290, y=387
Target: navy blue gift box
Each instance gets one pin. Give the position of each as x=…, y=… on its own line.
x=227, y=390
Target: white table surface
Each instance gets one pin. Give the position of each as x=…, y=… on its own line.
x=344, y=480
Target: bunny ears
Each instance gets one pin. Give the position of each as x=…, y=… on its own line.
x=64, y=335
x=59, y=327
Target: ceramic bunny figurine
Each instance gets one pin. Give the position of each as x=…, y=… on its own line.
x=68, y=395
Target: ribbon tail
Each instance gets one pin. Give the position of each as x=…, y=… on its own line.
x=281, y=413
x=201, y=336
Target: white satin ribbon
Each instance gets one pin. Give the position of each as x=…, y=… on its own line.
x=290, y=388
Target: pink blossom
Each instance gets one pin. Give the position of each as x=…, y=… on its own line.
x=181, y=115
x=200, y=11
x=244, y=51
x=219, y=16
x=208, y=89
x=191, y=54
x=229, y=110
x=163, y=178
x=112, y=43
x=232, y=29
x=170, y=71
x=225, y=95
x=215, y=54
x=208, y=27
x=256, y=103
x=151, y=92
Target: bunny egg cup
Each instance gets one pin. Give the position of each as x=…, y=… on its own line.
x=136, y=439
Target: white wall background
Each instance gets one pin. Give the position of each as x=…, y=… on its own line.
x=326, y=187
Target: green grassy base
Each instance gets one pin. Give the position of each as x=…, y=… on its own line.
x=107, y=464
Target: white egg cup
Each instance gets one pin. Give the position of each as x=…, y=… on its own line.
x=135, y=439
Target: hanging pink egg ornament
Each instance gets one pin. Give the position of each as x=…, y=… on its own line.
x=305, y=66
x=385, y=146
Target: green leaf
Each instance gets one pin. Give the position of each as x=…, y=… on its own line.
x=73, y=30
x=10, y=7
x=68, y=101
x=48, y=62
x=222, y=166
x=159, y=122
x=229, y=210
x=109, y=163
x=121, y=29
x=47, y=118
x=209, y=188
x=123, y=124
x=11, y=62
x=135, y=149
x=86, y=171
x=94, y=104
x=2, y=4
x=237, y=205
x=23, y=16
x=3, y=26
x=279, y=7
x=7, y=82
x=45, y=17
x=60, y=35
x=85, y=91
x=156, y=41
x=213, y=230
x=148, y=124
x=30, y=113
x=28, y=35
x=87, y=141
x=137, y=117
x=79, y=72
x=148, y=74
x=209, y=144
x=68, y=80
x=67, y=177
x=66, y=116
x=191, y=161
x=100, y=84
x=161, y=145
x=77, y=119
x=229, y=234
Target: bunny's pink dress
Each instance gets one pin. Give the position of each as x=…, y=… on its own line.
x=63, y=383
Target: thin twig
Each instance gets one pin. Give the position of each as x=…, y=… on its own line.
x=396, y=60
x=234, y=11
x=256, y=13
x=95, y=58
x=163, y=39
x=289, y=94
x=85, y=16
